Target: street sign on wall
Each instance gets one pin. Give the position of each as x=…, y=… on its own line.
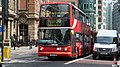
x=0, y=33
x=0, y=28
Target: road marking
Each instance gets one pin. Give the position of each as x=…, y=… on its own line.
x=91, y=61
x=77, y=59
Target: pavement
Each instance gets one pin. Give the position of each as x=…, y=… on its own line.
x=19, y=52
x=23, y=50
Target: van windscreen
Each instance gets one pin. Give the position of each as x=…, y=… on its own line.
x=112, y=40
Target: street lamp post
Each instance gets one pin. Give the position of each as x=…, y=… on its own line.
x=4, y=20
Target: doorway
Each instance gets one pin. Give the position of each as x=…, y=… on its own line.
x=23, y=38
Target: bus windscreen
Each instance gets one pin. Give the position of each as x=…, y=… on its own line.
x=60, y=36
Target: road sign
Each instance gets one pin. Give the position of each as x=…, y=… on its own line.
x=0, y=28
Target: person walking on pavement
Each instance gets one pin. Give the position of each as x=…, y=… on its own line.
x=12, y=38
x=30, y=44
x=14, y=41
x=14, y=44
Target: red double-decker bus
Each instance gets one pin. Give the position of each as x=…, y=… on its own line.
x=63, y=31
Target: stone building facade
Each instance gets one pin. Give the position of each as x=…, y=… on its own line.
x=116, y=17
x=23, y=19
x=10, y=26
x=28, y=19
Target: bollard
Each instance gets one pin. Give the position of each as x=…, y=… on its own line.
x=7, y=50
x=115, y=62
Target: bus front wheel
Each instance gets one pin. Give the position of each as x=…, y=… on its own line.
x=49, y=57
x=94, y=57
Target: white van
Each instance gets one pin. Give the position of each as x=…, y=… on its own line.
x=107, y=44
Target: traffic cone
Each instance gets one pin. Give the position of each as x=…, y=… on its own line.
x=115, y=63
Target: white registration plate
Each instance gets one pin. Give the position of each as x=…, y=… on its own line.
x=53, y=54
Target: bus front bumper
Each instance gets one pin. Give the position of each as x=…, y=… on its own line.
x=55, y=54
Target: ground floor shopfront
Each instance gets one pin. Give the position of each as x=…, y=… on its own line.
x=22, y=26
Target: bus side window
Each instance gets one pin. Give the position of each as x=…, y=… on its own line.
x=81, y=37
x=80, y=17
x=77, y=37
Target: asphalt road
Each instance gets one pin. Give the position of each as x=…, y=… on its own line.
x=25, y=57
x=32, y=60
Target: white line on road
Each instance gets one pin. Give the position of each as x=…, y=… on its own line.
x=77, y=59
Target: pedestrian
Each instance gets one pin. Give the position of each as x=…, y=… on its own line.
x=21, y=40
x=12, y=38
x=18, y=44
x=30, y=44
x=14, y=43
x=36, y=44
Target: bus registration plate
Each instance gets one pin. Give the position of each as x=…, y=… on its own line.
x=104, y=53
x=53, y=54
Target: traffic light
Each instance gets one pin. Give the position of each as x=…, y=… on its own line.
x=5, y=9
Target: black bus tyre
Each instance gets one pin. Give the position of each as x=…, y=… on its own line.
x=94, y=57
x=77, y=55
x=49, y=57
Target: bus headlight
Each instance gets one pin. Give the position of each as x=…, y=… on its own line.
x=41, y=48
x=65, y=49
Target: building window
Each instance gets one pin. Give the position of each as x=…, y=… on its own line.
x=104, y=14
x=99, y=2
x=99, y=19
x=104, y=20
x=103, y=26
x=99, y=12
x=99, y=26
x=99, y=7
x=104, y=3
x=104, y=8
x=86, y=6
x=91, y=5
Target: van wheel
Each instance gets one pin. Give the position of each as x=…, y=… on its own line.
x=117, y=57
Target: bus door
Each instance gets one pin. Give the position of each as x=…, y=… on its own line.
x=84, y=44
x=73, y=39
